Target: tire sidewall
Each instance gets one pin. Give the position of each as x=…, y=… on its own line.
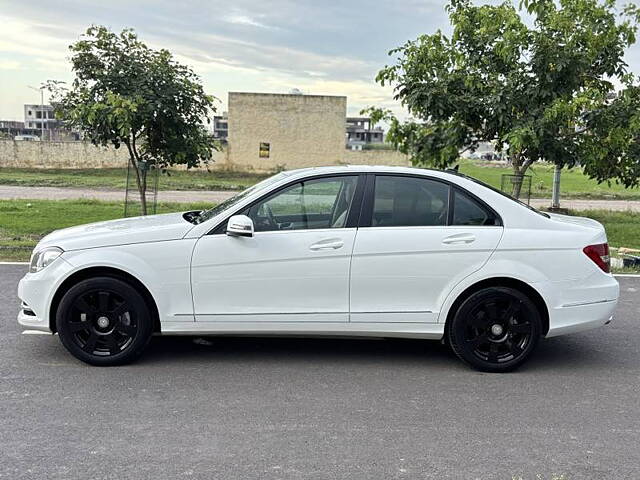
x=459, y=322
x=125, y=290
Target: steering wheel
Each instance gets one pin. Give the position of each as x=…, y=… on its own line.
x=273, y=223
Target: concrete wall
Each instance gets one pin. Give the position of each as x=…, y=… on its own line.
x=301, y=130
x=85, y=155
x=22, y=154
x=375, y=157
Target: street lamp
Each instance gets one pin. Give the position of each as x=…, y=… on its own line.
x=41, y=111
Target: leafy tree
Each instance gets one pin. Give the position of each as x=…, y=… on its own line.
x=540, y=89
x=125, y=93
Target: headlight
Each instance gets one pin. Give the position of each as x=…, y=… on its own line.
x=44, y=257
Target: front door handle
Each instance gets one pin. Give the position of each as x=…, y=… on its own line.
x=327, y=245
x=459, y=238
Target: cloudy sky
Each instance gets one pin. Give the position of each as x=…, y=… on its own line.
x=318, y=46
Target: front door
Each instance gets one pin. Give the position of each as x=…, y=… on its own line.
x=421, y=237
x=294, y=268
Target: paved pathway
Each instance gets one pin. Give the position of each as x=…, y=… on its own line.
x=55, y=193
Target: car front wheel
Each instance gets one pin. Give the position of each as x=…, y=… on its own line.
x=104, y=321
x=495, y=329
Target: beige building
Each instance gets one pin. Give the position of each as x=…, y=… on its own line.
x=273, y=131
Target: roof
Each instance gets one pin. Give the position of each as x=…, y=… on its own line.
x=368, y=169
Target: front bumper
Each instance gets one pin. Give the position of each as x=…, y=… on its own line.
x=36, y=291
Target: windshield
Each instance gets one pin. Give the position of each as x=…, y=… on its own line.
x=229, y=202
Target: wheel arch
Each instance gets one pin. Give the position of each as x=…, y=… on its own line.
x=91, y=272
x=516, y=284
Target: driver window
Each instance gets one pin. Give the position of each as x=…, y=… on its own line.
x=313, y=204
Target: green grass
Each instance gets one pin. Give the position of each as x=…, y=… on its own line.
x=24, y=222
x=573, y=184
x=623, y=228
x=115, y=178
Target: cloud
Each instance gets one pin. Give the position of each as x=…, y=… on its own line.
x=239, y=19
x=34, y=43
x=10, y=65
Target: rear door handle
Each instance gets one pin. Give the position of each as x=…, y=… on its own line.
x=459, y=238
x=327, y=245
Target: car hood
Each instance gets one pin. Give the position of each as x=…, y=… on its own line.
x=152, y=228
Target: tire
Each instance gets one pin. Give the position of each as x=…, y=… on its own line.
x=495, y=329
x=104, y=321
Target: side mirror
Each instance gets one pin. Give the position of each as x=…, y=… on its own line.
x=240, y=226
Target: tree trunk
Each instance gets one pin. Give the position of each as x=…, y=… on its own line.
x=520, y=167
x=516, y=183
x=141, y=174
x=141, y=183
x=142, y=189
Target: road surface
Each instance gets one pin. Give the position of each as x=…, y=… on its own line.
x=242, y=408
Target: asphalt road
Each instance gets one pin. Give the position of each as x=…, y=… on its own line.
x=321, y=409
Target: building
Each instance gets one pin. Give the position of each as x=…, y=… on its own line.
x=11, y=128
x=40, y=120
x=360, y=133
x=279, y=131
x=221, y=127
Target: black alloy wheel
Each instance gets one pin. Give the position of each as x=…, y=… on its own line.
x=495, y=329
x=104, y=321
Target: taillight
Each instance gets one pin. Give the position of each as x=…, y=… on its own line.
x=600, y=255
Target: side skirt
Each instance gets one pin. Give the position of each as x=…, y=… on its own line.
x=432, y=331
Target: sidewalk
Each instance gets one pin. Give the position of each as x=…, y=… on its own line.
x=9, y=192
x=54, y=193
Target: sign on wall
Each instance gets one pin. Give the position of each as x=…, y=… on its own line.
x=264, y=149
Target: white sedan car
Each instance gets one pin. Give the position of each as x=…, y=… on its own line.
x=362, y=251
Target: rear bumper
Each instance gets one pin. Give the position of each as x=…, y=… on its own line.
x=579, y=305
x=577, y=318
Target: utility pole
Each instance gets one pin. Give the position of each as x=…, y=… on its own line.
x=555, y=196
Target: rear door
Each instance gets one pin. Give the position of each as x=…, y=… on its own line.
x=419, y=237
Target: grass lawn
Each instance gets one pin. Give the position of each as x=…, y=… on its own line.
x=623, y=228
x=574, y=183
x=115, y=178
x=24, y=222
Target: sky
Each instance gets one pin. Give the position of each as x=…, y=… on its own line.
x=322, y=47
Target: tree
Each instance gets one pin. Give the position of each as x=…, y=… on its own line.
x=125, y=93
x=541, y=89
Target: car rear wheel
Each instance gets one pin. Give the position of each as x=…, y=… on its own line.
x=495, y=329
x=104, y=321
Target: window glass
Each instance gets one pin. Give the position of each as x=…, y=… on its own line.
x=321, y=203
x=409, y=201
x=469, y=212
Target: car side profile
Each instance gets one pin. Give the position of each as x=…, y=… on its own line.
x=351, y=250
